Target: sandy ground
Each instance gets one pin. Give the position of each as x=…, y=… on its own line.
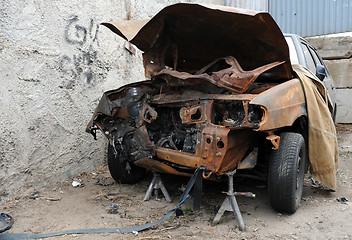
x=62, y=207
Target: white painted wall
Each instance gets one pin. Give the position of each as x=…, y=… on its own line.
x=55, y=63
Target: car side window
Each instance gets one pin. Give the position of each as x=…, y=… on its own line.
x=315, y=56
x=310, y=62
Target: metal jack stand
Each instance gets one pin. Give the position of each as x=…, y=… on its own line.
x=230, y=204
x=155, y=185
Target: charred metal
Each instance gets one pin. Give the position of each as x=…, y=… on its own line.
x=207, y=103
x=221, y=98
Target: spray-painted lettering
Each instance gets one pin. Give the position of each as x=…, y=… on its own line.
x=85, y=37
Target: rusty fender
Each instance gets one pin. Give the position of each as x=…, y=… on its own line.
x=283, y=104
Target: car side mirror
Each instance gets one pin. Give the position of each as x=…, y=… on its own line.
x=321, y=72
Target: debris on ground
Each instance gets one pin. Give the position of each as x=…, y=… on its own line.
x=114, y=208
x=342, y=200
x=105, y=181
x=76, y=184
x=34, y=195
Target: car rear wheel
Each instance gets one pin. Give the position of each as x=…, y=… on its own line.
x=121, y=170
x=286, y=173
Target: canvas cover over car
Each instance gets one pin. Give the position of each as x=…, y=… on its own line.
x=323, y=148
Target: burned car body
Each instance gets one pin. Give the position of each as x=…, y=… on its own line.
x=220, y=93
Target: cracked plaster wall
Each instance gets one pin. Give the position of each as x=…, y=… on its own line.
x=55, y=63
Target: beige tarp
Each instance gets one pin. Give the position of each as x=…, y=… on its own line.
x=323, y=150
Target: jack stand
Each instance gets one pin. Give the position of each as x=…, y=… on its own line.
x=230, y=204
x=155, y=185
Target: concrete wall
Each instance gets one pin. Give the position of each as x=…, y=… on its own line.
x=336, y=50
x=55, y=63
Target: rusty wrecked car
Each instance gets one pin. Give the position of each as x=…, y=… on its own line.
x=220, y=92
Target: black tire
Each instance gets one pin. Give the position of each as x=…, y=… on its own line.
x=286, y=173
x=121, y=170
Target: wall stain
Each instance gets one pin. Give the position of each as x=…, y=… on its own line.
x=85, y=37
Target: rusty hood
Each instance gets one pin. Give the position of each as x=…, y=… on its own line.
x=186, y=37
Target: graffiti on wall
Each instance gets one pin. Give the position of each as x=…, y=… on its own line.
x=84, y=37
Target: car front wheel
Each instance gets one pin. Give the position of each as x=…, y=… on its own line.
x=286, y=173
x=121, y=170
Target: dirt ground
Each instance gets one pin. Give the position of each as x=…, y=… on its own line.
x=102, y=203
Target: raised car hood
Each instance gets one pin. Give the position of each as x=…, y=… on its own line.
x=187, y=37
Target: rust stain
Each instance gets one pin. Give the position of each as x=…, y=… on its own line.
x=275, y=140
